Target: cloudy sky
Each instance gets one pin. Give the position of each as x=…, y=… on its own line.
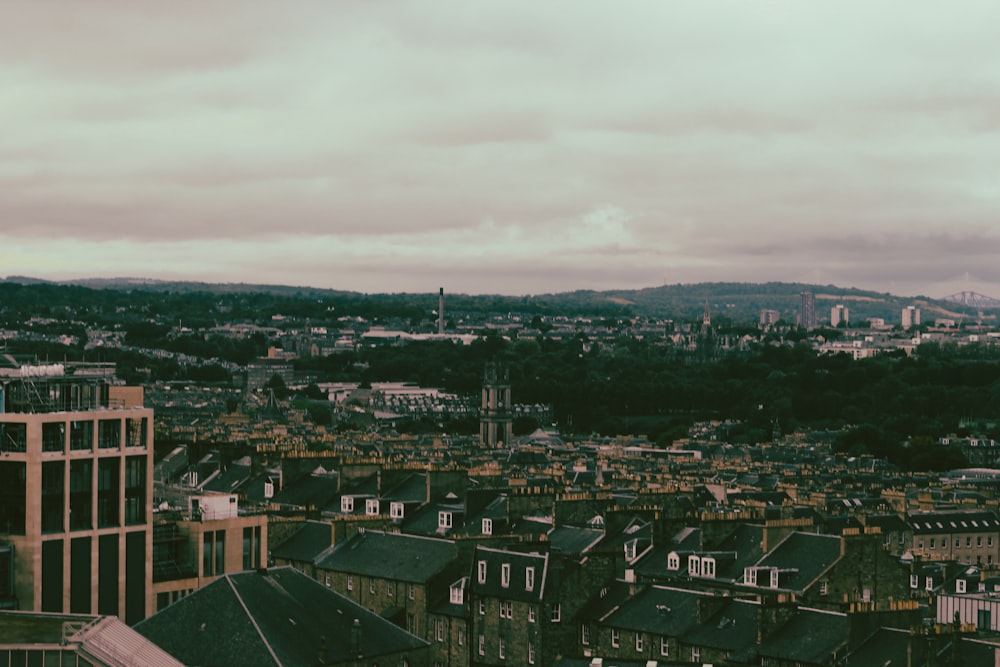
x=503, y=147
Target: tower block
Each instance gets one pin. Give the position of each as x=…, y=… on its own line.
x=495, y=420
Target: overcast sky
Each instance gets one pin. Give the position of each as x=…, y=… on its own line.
x=503, y=147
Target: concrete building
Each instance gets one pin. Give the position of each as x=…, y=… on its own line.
x=495, y=420
x=807, y=310
x=769, y=317
x=910, y=317
x=76, y=459
x=839, y=314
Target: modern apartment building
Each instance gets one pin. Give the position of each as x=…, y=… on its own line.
x=807, y=310
x=76, y=458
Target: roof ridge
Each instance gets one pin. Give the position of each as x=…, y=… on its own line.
x=246, y=610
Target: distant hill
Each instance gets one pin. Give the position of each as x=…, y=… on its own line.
x=735, y=302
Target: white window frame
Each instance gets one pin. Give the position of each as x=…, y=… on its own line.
x=929, y=583
x=411, y=591
x=556, y=615
x=390, y=589
x=775, y=576
x=531, y=652
x=505, y=575
x=694, y=565
x=615, y=637
x=481, y=568
x=457, y=593
x=439, y=630
x=371, y=506
x=960, y=585
x=824, y=587
x=529, y=578
x=396, y=510
x=347, y=504
x=444, y=519
x=664, y=647
x=584, y=634
x=708, y=567
x=487, y=527
x=501, y=649
x=531, y=614
x=695, y=654
x=914, y=581
x=350, y=582
x=482, y=607
x=638, y=642
x=750, y=576
x=673, y=561
x=482, y=644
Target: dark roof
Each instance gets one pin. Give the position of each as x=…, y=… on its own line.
x=948, y=522
x=310, y=540
x=314, y=490
x=574, y=539
x=229, y=479
x=413, y=489
x=398, y=556
x=733, y=628
x=516, y=588
x=279, y=617
x=658, y=610
x=811, y=636
x=805, y=556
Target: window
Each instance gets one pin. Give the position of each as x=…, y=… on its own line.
x=444, y=519
x=350, y=582
x=960, y=585
x=824, y=587
x=968, y=541
x=135, y=490
x=529, y=578
x=989, y=540
x=630, y=547
x=390, y=589
x=929, y=584
x=411, y=624
x=866, y=594
x=371, y=586
x=615, y=637
x=482, y=644
x=135, y=432
x=673, y=561
x=505, y=575
x=979, y=540
x=439, y=630
x=664, y=647
x=53, y=496
x=13, y=437
x=695, y=654
x=501, y=649
x=109, y=433
x=108, y=476
x=708, y=567
x=482, y=607
x=556, y=615
x=347, y=504
x=487, y=526
x=81, y=435
x=461, y=636
x=81, y=502
x=774, y=577
x=213, y=554
x=638, y=642
x=411, y=591
x=482, y=571
x=396, y=510
x=750, y=576
x=958, y=542
x=54, y=437
x=531, y=653
x=694, y=566
x=251, y=547
x=932, y=543
x=531, y=614
x=584, y=634
x=326, y=580
x=914, y=581
x=371, y=506
x=920, y=544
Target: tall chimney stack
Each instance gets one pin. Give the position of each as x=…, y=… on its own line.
x=441, y=310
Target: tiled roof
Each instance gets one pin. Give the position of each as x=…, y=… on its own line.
x=398, y=556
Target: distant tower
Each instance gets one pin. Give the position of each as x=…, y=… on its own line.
x=441, y=310
x=706, y=319
x=807, y=310
x=839, y=313
x=911, y=317
x=495, y=421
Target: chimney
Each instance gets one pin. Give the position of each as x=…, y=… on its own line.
x=441, y=310
x=356, y=638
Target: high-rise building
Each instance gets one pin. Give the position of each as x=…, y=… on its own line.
x=839, y=314
x=76, y=461
x=495, y=419
x=807, y=310
x=911, y=317
x=769, y=317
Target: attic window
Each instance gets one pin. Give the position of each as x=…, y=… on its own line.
x=673, y=561
x=482, y=571
x=750, y=576
x=708, y=567
x=960, y=585
x=914, y=581
x=347, y=503
x=487, y=526
x=529, y=578
x=457, y=593
x=371, y=507
x=444, y=519
x=630, y=550
x=505, y=575
x=396, y=510
x=694, y=566
x=929, y=583
x=774, y=577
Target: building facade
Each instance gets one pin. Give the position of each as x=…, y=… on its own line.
x=76, y=459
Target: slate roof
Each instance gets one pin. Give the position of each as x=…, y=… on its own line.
x=658, y=610
x=412, y=489
x=398, y=556
x=316, y=489
x=516, y=589
x=808, y=553
x=953, y=522
x=811, y=636
x=574, y=539
x=281, y=617
x=310, y=540
x=231, y=478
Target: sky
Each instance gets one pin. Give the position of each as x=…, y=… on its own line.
x=503, y=147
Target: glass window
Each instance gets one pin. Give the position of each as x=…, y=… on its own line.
x=53, y=496
x=54, y=437
x=81, y=500
x=135, y=432
x=135, y=490
x=109, y=433
x=13, y=497
x=81, y=435
x=13, y=437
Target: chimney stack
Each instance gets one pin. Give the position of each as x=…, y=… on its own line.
x=441, y=310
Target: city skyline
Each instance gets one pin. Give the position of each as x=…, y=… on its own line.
x=509, y=149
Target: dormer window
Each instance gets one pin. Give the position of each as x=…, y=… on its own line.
x=774, y=577
x=630, y=551
x=694, y=566
x=487, y=526
x=457, y=592
x=529, y=578
x=708, y=567
x=396, y=510
x=750, y=576
x=673, y=561
x=505, y=575
x=960, y=585
x=482, y=571
x=929, y=583
x=371, y=507
x=914, y=581
x=268, y=489
x=347, y=504
x=444, y=519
